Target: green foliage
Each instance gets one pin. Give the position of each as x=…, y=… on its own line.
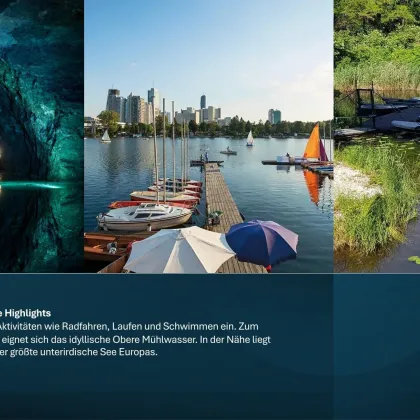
x=414, y=259
x=368, y=224
x=109, y=120
x=372, y=34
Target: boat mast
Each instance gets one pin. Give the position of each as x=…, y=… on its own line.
x=187, y=155
x=182, y=156
x=173, y=145
x=324, y=135
x=164, y=154
x=155, y=146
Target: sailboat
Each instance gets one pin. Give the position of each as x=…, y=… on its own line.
x=315, y=150
x=250, y=141
x=105, y=138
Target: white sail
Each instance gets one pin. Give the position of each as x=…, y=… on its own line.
x=105, y=137
x=250, y=141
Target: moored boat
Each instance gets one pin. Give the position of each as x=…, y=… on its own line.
x=125, y=203
x=179, y=180
x=187, y=191
x=144, y=217
x=147, y=196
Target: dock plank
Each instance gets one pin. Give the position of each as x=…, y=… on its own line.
x=218, y=197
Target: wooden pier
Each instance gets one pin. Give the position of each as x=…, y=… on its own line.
x=218, y=197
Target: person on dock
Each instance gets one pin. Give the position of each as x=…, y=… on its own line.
x=228, y=149
x=287, y=154
x=207, y=157
x=202, y=157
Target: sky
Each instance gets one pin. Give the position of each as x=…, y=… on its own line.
x=246, y=56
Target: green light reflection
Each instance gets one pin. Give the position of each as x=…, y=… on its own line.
x=21, y=185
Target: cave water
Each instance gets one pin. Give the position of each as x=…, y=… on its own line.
x=41, y=135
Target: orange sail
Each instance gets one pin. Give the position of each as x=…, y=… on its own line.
x=313, y=149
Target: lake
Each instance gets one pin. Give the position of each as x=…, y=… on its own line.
x=298, y=200
x=42, y=227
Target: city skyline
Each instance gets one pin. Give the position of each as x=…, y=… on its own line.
x=245, y=70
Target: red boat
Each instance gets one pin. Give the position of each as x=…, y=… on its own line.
x=119, y=204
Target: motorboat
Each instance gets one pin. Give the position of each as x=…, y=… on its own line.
x=147, y=196
x=143, y=217
x=125, y=203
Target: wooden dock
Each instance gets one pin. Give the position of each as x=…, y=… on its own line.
x=218, y=197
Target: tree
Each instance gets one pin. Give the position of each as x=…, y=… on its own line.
x=203, y=127
x=159, y=124
x=248, y=126
x=267, y=127
x=109, y=119
x=193, y=126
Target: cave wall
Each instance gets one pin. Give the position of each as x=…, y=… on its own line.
x=41, y=89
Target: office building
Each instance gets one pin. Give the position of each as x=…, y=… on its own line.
x=154, y=92
x=148, y=113
x=203, y=102
x=211, y=113
x=218, y=113
x=112, y=100
x=274, y=116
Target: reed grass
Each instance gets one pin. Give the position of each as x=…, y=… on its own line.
x=368, y=224
x=384, y=75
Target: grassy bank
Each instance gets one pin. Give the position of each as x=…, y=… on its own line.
x=385, y=76
x=368, y=224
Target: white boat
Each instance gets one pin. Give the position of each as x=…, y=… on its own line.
x=143, y=217
x=406, y=125
x=145, y=196
x=169, y=190
x=178, y=181
x=178, y=185
x=105, y=138
x=250, y=140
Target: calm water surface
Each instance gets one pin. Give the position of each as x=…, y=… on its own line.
x=299, y=200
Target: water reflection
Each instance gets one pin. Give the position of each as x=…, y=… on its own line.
x=262, y=192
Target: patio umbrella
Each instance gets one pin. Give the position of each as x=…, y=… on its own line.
x=263, y=243
x=188, y=250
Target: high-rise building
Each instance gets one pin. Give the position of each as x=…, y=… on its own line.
x=111, y=101
x=205, y=115
x=211, y=113
x=128, y=108
x=154, y=92
x=148, y=113
x=274, y=116
x=120, y=108
x=198, y=113
x=203, y=102
x=168, y=117
x=218, y=113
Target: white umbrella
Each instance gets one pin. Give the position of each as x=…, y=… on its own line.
x=189, y=250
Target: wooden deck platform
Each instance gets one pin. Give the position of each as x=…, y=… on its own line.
x=218, y=197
